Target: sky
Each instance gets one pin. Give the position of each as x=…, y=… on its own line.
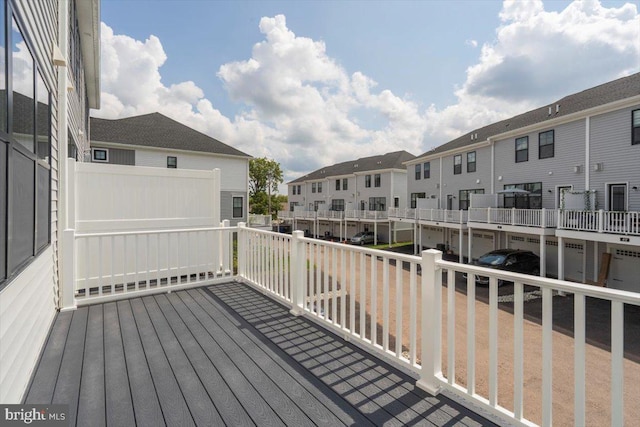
x=313, y=83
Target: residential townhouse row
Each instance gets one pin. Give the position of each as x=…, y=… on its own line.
x=561, y=180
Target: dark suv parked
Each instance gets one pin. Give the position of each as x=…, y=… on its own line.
x=510, y=260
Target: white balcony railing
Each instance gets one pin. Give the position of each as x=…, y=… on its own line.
x=404, y=213
x=544, y=218
x=255, y=220
x=398, y=306
x=443, y=215
x=409, y=314
x=600, y=221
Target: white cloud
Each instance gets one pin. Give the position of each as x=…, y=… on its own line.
x=472, y=43
x=305, y=110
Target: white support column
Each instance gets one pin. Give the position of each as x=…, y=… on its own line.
x=420, y=235
x=470, y=240
x=298, y=266
x=460, y=243
x=431, y=328
x=242, y=249
x=543, y=255
x=596, y=260
x=68, y=283
x=560, y=258
x=375, y=231
x=225, y=255
x=415, y=239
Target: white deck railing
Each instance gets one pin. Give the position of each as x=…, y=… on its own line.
x=255, y=220
x=511, y=216
x=409, y=315
x=443, y=215
x=115, y=265
x=404, y=213
x=600, y=221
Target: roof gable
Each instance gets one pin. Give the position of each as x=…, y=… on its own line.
x=159, y=131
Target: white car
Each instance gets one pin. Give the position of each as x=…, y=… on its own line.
x=363, y=238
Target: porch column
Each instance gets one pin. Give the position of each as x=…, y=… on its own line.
x=560, y=258
x=543, y=255
x=391, y=234
x=420, y=235
x=242, y=249
x=415, y=239
x=596, y=260
x=460, y=242
x=470, y=231
x=375, y=231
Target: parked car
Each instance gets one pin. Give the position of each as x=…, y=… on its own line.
x=363, y=238
x=514, y=260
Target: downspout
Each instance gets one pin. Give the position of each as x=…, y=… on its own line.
x=440, y=179
x=587, y=154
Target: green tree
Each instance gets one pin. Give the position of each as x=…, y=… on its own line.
x=264, y=177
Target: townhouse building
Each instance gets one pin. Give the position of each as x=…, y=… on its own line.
x=561, y=180
x=349, y=197
x=51, y=77
x=155, y=140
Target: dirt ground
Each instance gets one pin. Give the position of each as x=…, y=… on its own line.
x=598, y=366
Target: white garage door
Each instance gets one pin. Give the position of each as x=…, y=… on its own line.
x=623, y=273
x=573, y=254
x=481, y=244
x=431, y=237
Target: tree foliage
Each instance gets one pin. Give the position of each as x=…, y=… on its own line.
x=264, y=177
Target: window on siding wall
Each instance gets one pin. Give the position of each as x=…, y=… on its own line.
x=427, y=170
x=172, y=162
x=337, y=205
x=337, y=185
x=238, y=203
x=471, y=161
x=377, y=203
x=396, y=202
x=376, y=180
x=367, y=181
x=457, y=164
x=418, y=173
x=100, y=155
x=546, y=144
x=465, y=197
x=531, y=200
x=25, y=149
x=345, y=184
x=313, y=187
x=635, y=123
x=522, y=149
x=414, y=199
x=319, y=187
x=293, y=190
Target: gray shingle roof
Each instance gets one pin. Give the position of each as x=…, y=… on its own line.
x=157, y=130
x=393, y=160
x=615, y=90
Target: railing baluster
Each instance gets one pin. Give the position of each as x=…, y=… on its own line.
x=547, y=356
x=451, y=326
x=352, y=293
x=493, y=341
x=343, y=293
x=413, y=318
x=325, y=281
x=399, y=310
x=363, y=295
x=471, y=334
x=334, y=287
x=374, y=299
x=617, y=363
x=518, y=352
x=385, y=304
x=579, y=359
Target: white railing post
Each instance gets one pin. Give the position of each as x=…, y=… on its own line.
x=242, y=255
x=225, y=248
x=298, y=267
x=600, y=221
x=68, y=283
x=543, y=218
x=513, y=216
x=489, y=215
x=431, y=353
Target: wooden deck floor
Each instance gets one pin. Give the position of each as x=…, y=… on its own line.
x=222, y=355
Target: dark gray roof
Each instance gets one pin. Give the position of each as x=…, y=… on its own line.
x=625, y=87
x=393, y=160
x=157, y=130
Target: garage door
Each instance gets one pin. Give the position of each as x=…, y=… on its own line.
x=623, y=273
x=573, y=254
x=481, y=244
x=431, y=237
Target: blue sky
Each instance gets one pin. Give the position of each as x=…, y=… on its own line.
x=311, y=83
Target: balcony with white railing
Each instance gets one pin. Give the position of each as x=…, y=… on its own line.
x=285, y=215
x=443, y=215
x=330, y=214
x=402, y=213
x=255, y=220
x=419, y=313
x=600, y=221
x=542, y=218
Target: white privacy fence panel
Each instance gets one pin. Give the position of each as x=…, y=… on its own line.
x=116, y=197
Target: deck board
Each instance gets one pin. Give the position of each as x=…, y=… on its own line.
x=222, y=355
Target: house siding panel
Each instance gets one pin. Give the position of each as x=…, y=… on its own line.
x=569, y=151
x=428, y=186
x=226, y=206
x=610, y=143
x=452, y=184
x=118, y=156
x=28, y=302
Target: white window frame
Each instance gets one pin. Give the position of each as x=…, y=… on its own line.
x=607, y=195
x=239, y=196
x=93, y=155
